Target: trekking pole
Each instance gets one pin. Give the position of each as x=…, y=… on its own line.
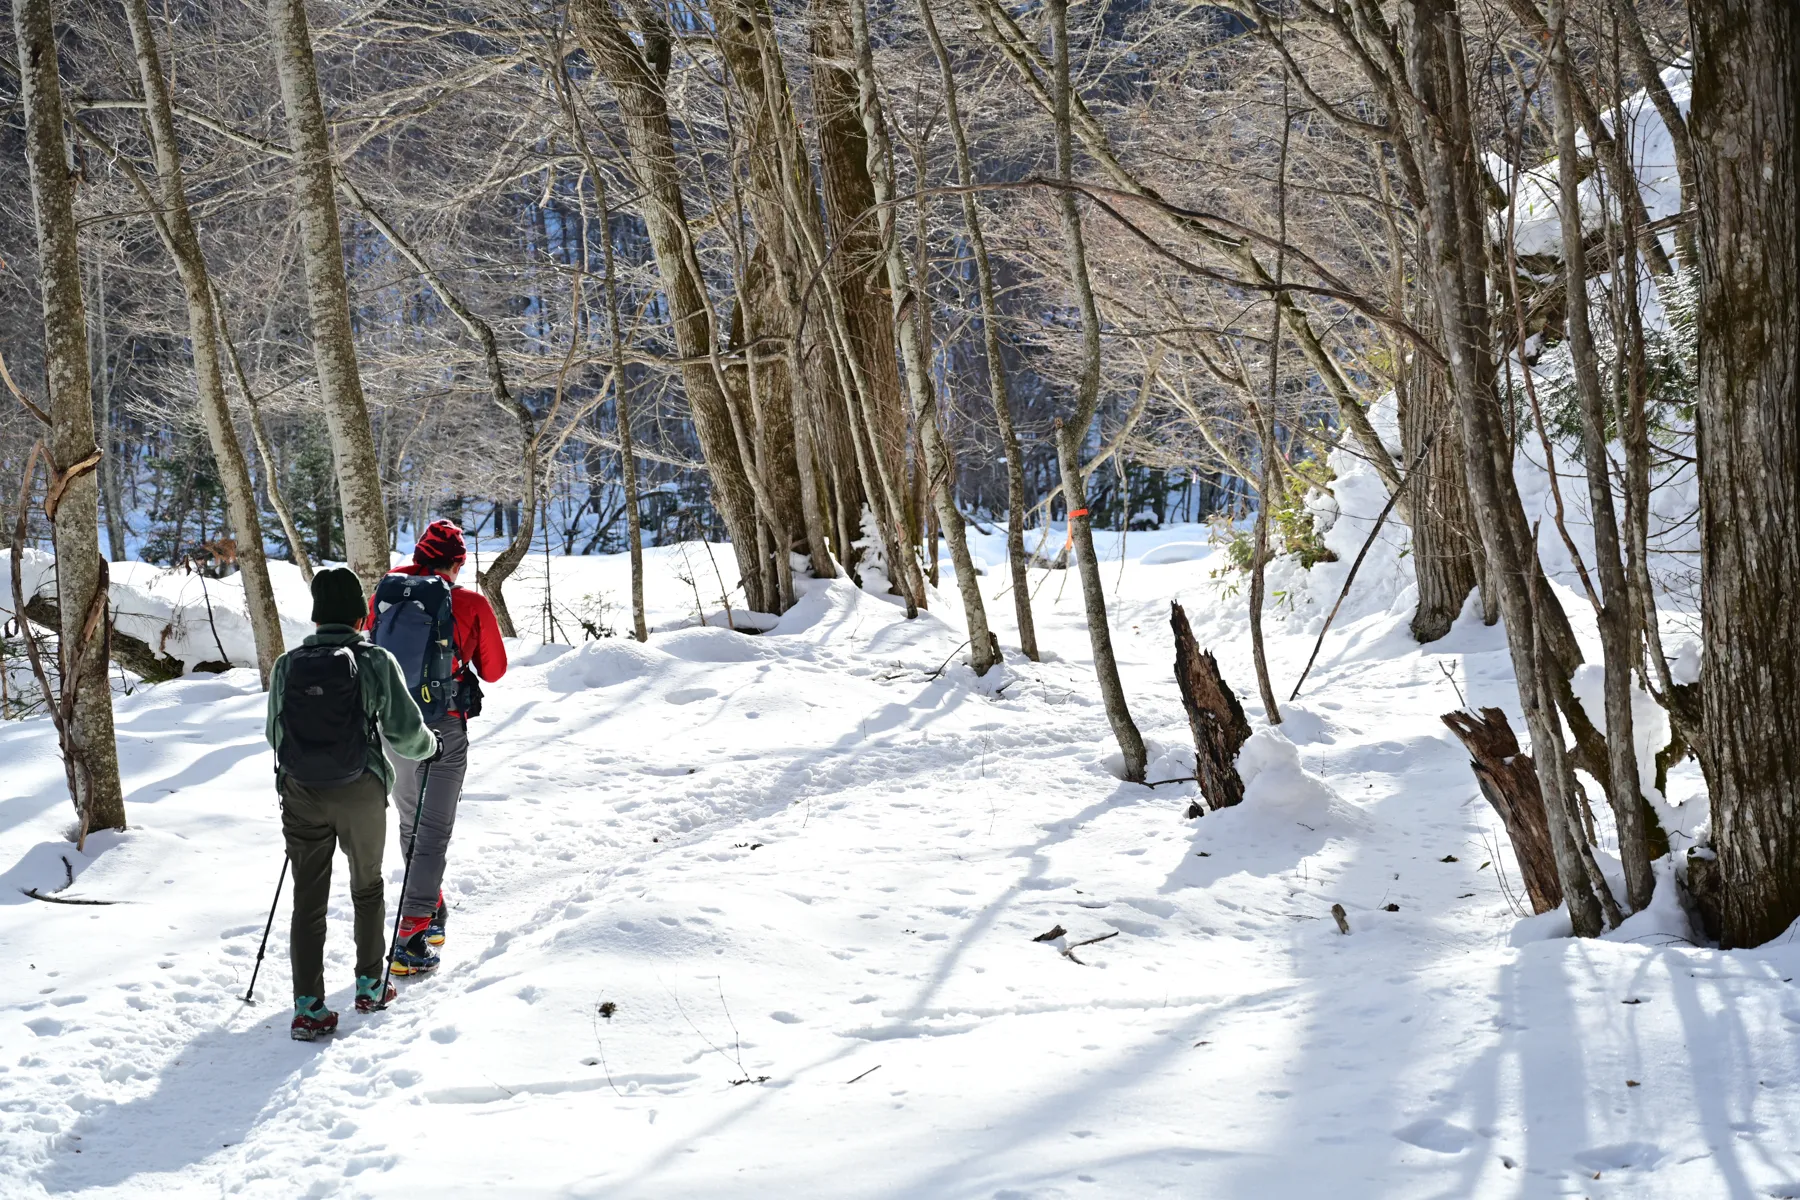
x=405, y=876
x=260, y=950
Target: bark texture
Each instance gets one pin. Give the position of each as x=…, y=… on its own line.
x=328, y=296
x=1746, y=95
x=89, y=750
x=1443, y=547
x=1509, y=780
x=1214, y=715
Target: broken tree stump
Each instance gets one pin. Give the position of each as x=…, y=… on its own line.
x=1214, y=714
x=1509, y=781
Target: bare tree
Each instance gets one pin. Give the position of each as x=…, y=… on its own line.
x=328, y=296
x=175, y=224
x=72, y=494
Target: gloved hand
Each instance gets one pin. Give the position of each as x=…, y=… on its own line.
x=437, y=751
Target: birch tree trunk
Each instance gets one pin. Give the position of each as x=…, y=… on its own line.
x=176, y=224
x=80, y=571
x=1746, y=87
x=328, y=296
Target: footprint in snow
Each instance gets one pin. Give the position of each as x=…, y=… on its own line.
x=1438, y=1136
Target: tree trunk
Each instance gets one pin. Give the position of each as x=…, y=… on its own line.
x=790, y=390
x=990, y=336
x=1071, y=435
x=1093, y=595
x=110, y=495
x=1615, y=615
x=1456, y=278
x=176, y=225
x=1632, y=29
x=909, y=305
x=851, y=137
x=1214, y=716
x=328, y=296
x=1267, y=478
x=1443, y=553
x=90, y=753
x=1746, y=87
x=634, y=533
x=636, y=66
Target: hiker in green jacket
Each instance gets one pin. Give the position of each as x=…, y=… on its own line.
x=330, y=703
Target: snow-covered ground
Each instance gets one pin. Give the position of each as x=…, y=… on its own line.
x=807, y=869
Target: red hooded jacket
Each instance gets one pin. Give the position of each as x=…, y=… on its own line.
x=478, y=643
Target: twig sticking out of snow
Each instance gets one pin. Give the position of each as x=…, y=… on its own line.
x=1069, y=951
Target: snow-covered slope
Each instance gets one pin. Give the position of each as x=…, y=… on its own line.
x=807, y=869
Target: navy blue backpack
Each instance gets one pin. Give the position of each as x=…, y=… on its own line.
x=414, y=622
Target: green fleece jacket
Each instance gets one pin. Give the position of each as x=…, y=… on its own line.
x=385, y=698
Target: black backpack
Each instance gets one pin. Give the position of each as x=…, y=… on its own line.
x=325, y=734
x=415, y=623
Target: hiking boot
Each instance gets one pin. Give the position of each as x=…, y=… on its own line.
x=371, y=994
x=434, y=932
x=413, y=956
x=312, y=1020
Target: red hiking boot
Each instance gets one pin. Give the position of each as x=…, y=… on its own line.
x=312, y=1020
x=367, y=1000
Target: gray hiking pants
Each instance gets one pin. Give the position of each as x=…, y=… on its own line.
x=437, y=816
x=316, y=822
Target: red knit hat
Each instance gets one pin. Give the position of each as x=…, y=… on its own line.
x=441, y=545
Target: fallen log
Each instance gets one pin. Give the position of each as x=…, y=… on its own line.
x=137, y=656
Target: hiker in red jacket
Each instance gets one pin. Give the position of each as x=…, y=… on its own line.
x=410, y=613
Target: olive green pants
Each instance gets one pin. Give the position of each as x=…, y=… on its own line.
x=315, y=822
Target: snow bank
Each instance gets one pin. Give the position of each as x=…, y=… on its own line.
x=604, y=663
x=179, y=614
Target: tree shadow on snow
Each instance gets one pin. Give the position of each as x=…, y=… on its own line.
x=205, y=769
x=207, y=1099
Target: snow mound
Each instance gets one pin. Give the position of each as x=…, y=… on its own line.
x=604, y=663
x=711, y=644
x=1175, y=552
x=1276, y=783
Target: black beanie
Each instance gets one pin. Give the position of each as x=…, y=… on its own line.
x=338, y=597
